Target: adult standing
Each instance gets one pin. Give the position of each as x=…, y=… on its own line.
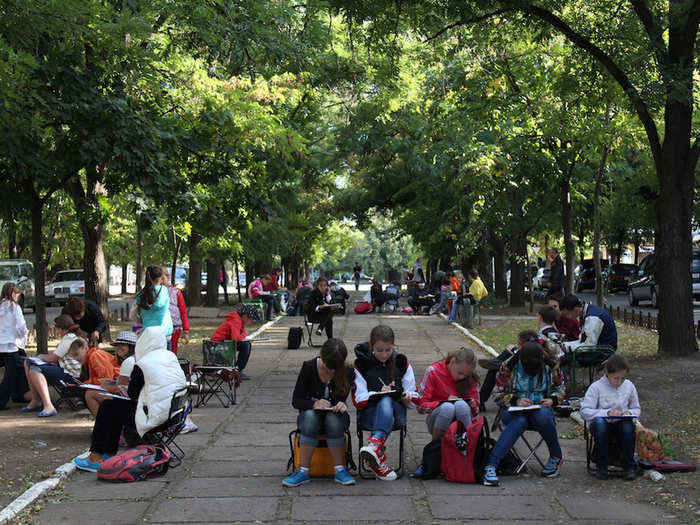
x=556, y=275
x=13, y=335
x=88, y=316
x=178, y=312
x=356, y=269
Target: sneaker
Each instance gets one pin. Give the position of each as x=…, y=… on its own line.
x=296, y=479
x=86, y=465
x=319, y=332
x=462, y=443
x=489, y=364
x=419, y=472
x=629, y=475
x=490, y=477
x=384, y=471
x=244, y=376
x=601, y=474
x=371, y=452
x=551, y=469
x=343, y=477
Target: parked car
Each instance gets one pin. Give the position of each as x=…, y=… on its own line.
x=20, y=272
x=620, y=275
x=643, y=285
x=585, y=279
x=64, y=284
x=541, y=281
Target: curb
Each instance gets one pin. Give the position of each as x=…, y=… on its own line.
x=474, y=339
x=37, y=490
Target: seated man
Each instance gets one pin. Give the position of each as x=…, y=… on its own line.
x=339, y=295
x=233, y=329
x=421, y=300
x=598, y=325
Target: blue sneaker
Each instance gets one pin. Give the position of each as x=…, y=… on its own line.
x=490, y=476
x=86, y=465
x=343, y=477
x=296, y=479
x=551, y=469
x=419, y=472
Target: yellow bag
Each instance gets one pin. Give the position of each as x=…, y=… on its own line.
x=321, y=461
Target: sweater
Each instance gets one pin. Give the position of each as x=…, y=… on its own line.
x=371, y=375
x=100, y=365
x=232, y=329
x=309, y=387
x=13, y=329
x=437, y=385
x=159, y=312
x=601, y=397
x=477, y=289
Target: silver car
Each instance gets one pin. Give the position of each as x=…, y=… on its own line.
x=20, y=272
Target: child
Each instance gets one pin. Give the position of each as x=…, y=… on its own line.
x=379, y=368
x=233, y=329
x=320, y=393
x=530, y=383
x=13, y=333
x=124, y=347
x=98, y=363
x=154, y=302
x=547, y=316
x=448, y=392
x=178, y=312
x=612, y=395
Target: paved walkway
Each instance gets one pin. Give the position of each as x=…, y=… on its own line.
x=236, y=461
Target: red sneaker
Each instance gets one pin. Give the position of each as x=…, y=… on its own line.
x=372, y=452
x=384, y=471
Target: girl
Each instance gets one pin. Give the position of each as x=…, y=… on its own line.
x=612, y=395
x=124, y=350
x=448, y=392
x=154, y=302
x=233, y=329
x=531, y=382
x=13, y=334
x=379, y=368
x=60, y=366
x=98, y=363
x=178, y=312
x=319, y=308
x=319, y=395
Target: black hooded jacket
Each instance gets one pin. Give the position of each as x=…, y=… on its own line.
x=372, y=370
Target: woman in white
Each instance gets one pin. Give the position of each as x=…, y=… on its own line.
x=13, y=336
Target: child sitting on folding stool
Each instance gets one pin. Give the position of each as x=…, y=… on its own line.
x=379, y=368
x=320, y=393
x=612, y=395
x=530, y=383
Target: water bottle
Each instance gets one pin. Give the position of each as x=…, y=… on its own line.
x=653, y=475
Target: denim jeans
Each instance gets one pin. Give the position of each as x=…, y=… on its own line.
x=243, y=349
x=453, y=310
x=601, y=429
x=443, y=415
x=312, y=422
x=444, y=296
x=541, y=420
x=383, y=417
x=270, y=305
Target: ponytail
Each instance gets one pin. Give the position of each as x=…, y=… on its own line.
x=148, y=295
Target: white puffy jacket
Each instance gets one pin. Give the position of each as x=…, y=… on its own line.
x=162, y=376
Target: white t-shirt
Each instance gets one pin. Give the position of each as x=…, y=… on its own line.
x=69, y=365
x=127, y=366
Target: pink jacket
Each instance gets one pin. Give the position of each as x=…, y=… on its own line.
x=437, y=385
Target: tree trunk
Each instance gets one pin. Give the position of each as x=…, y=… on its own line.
x=581, y=244
x=517, y=271
x=485, y=261
x=636, y=250
x=566, y=228
x=213, y=282
x=224, y=283
x=531, y=293
x=194, y=278
x=125, y=277
x=500, y=281
x=177, y=242
x=40, y=325
x=596, y=225
x=238, y=282
x=139, y=253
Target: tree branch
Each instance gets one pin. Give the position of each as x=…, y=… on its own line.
x=467, y=22
x=654, y=31
x=604, y=59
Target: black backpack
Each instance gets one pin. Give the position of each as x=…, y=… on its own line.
x=294, y=337
x=432, y=453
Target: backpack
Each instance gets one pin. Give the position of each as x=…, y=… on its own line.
x=467, y=465
x=431, y=459
x=294, y=337
x=363, y=307
x=292, y=307
x=135, y=464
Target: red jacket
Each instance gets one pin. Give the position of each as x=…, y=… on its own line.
x=437, y=385
x=232, y=329
x=100, y=364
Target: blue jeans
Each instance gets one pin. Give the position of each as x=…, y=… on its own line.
x=270, y=305
x=243, y=349
x=383, y=417
x=453, y=310
x=311, y=423
x=541, y=420
x=601, y=429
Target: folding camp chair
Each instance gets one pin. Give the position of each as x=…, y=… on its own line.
x=498, y=424
x=70, y=395
x=614, y=455
x=588, y=358
x=363, y=470
x=165, y=433
x=218, y=375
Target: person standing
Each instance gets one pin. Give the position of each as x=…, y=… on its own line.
x=356, y=269
x=13, y=336
x=416, y=273
x=556, y=275
x=178, y=312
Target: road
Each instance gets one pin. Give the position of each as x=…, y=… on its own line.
x=620, y=299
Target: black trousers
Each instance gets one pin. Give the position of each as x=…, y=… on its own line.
x=324, y=318
x=112, y=416
x=10, y=378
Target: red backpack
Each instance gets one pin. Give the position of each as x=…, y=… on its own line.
x=135, y=464
x=363, y=307
x=465, y=466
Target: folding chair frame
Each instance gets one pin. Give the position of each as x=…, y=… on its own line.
x=498, y=424
x=309, y=324
x=66, y=395
x=214, y=377
x=365, y=471
x=165, y=434
x=348, y=455
x=613, y=470
x=604, y=352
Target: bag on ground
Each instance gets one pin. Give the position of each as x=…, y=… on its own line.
x=464, y=462
x=431, y=459
x=407, y=309
x=363, y=307
x=135, y=464
x=294, y=337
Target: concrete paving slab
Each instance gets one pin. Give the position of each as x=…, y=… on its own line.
x=504, y=507
x=228, y=488
x=85, y=487
x=598, y=509
x=117, y=512
x=253, y=453
x=213, y=510
x=240, y=468
x=369, y=508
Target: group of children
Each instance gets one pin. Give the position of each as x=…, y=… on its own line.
x=383, y=387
